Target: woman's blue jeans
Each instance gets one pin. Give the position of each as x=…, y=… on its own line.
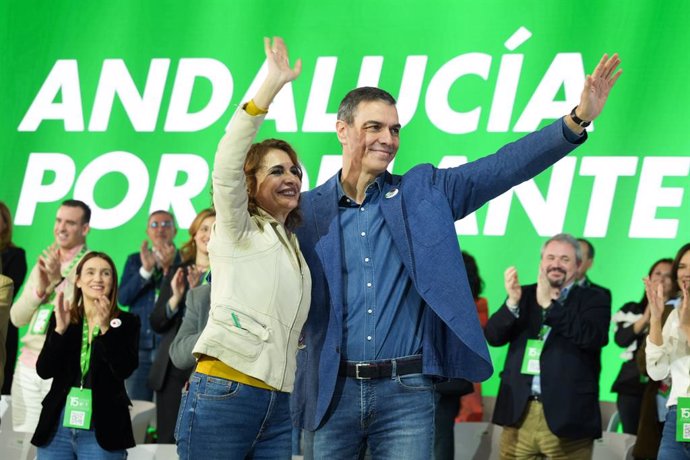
x=670, y=449
x=72, y=443
x=223, y=419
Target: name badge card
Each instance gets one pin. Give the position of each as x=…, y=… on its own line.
x=78, y=409
x=41, y=320
x=530, y=362
x=683, y=420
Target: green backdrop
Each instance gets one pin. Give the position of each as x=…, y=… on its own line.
x=122, y=104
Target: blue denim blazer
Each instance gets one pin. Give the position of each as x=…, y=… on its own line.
x=421, y=217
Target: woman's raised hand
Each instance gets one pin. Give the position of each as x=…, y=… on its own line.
x=279, y=60
x=279, y=71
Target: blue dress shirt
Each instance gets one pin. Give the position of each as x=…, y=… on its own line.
x=382, y=309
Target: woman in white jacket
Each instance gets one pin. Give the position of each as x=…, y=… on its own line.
x=668, y=352
x=237, y=403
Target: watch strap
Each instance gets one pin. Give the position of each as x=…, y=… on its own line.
x=579, y=121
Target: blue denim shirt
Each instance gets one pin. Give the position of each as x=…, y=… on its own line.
x=382, y=309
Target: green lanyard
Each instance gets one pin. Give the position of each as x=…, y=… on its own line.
x=544, y=327
x=74, y=262
x=85, y=358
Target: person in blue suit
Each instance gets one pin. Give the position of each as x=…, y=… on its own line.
x=139, y=288
x=391, y=306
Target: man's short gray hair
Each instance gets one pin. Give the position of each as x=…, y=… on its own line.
x=568, y=239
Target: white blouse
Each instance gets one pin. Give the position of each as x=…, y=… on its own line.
x=672, y=357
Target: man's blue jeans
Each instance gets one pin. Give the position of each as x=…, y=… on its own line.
x=69, y=443
x=223, y=419
x=670, y=449
x=394, y=417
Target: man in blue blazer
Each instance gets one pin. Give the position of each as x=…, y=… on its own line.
x=139, y=287
x=391, y=306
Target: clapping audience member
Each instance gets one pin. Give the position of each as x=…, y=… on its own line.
x=632, y=325
x=54, y=272
x=12, y=265
x=668, y=352
x=140, y=285
x=6, y=290
x=548, y=399
x=90, y=349
x=165, y=378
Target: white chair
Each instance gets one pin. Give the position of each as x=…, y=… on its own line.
x=613, y=446
x=469, y=436
x=142, y=414
x=614, y=421
x=13, y=445
x=488, y=403
x=153, y=452
x=477, y=440
x=495, y=441
x=608, y=410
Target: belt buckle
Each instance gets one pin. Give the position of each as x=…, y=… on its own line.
x=357, y=366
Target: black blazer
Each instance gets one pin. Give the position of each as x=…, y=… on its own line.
x=14, y=266
x=168, y=328
x=114, y=356
x=570, y=361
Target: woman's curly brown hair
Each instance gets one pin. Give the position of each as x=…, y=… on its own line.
x=255, y=156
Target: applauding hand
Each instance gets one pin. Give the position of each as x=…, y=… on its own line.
x=62, y=316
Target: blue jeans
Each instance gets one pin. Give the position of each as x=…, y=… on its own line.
x=296, y=441
x=71, y=443
x=670, y=449
x=137, y=384
x=394, y=417
x=223, y=419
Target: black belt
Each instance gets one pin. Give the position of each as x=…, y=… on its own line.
x=380, y=369
x=534, y=398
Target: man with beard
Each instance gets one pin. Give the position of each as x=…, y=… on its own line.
x=548, y=400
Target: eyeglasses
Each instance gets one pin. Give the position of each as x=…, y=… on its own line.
x=163, y=224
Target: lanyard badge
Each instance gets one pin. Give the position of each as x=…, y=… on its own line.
x=78, y=408
x=533, y=349
x=39, y=324
x=683, y=420
x=530, y=362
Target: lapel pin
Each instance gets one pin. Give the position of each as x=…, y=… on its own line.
x=391, y=193
x=115, y=322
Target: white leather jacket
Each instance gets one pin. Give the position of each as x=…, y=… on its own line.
x=261, y=287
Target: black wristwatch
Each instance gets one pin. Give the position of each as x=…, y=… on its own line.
x=578, y=120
